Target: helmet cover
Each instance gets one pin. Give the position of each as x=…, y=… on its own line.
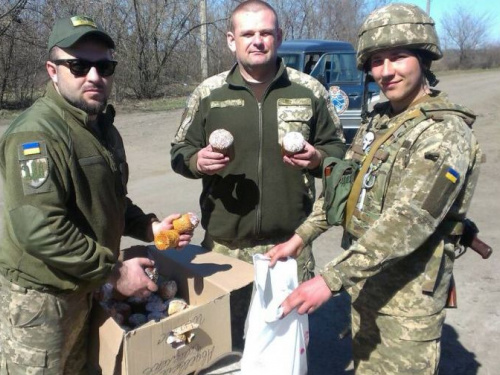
x=397, y=25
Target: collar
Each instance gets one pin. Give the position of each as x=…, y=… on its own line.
x=234, y=77
x=106, y=116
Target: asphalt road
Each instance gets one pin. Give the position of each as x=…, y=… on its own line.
x=471, y=332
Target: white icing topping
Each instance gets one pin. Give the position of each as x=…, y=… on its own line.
x=221, y=139
x=293, y=142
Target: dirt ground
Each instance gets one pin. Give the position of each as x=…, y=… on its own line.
x=471, y=332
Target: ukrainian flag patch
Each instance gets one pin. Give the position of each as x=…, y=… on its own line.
x=31, y=148
x=452, y=175
x=441, y=192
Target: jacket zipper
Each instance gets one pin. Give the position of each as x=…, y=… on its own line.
x=258, y=224
x=259, y=173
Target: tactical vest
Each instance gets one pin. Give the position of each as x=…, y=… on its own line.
x=388, y=167
x=392, y=157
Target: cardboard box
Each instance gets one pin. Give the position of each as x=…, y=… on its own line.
x=205, y=281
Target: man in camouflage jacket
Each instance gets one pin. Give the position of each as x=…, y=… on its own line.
x=401, y=238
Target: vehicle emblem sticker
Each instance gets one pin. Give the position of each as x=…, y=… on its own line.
x=339, y=99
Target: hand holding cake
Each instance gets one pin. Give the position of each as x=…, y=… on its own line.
x=221, y=141
x=298, y=153
x=180, y=228
x=217, y=155
x=292, y=143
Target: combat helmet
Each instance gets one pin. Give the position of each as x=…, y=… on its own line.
x=397, y=25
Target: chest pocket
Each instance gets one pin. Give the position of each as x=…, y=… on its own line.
x=294, y=115
x=98, y=172
x=92, y=161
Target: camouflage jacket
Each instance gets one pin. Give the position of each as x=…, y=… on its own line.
x=65, y=198
x=401, y=251
x=257, y=196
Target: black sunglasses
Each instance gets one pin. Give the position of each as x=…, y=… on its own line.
x=81, y=67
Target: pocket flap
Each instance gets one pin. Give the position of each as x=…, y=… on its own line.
x=299, y=109
x=24, y=355
x=91, y=160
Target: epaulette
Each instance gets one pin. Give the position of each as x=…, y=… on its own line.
x=439, y=114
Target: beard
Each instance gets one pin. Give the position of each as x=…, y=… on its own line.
x=93, y=106
x=90, y=109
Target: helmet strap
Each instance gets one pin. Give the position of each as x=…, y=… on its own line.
x=364, y=105
x=430, y=77
x=425, y=65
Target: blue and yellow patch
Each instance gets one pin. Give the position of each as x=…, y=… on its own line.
x=31, y=148
x=452, y=175
x=34, y=166
x=441, y=191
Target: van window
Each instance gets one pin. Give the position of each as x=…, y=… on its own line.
x=338, y=68
x=291, y=60
x=311, y=60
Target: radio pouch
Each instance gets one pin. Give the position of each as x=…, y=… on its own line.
x=338, y=178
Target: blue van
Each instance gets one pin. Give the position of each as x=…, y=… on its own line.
x=333, y=63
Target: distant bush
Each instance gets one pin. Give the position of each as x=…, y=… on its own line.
x=483, y=58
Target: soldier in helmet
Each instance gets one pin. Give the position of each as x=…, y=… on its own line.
x=419, y=160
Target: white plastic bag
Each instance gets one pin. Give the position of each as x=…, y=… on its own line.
x=274, y=346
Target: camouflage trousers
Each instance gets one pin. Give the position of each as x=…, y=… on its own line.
x=42, y=333
x=377, y=352
x=240, y=299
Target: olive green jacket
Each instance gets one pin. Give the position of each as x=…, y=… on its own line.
x=65, y=198
x=257, y=196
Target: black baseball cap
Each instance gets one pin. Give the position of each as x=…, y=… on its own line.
x=67, y=31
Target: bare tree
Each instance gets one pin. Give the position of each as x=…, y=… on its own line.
x=466, y=31
x=154, y=30
x=323, y=19
x=20, y=54
x=9, y=13
x=158, y=43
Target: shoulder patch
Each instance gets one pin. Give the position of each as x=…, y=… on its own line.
x=452, y=175
x=34, y=167
x=441, y=191
x=31, y=148
x=34, y=172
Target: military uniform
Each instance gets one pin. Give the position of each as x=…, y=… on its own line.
x=401, y=239
x=403, y=218
x=65, y=211
x=256, y=201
